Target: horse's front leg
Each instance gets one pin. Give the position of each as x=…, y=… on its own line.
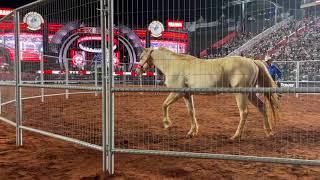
x=173, y=97
x=194, y=124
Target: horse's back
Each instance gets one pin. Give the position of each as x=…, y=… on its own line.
x=203, y=74
x=234, y=71
x=240, y=71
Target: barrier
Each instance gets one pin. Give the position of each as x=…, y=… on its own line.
x=26, y=99
x=37, y=50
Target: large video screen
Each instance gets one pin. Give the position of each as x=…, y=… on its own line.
x=175, y=46
x=30, y=45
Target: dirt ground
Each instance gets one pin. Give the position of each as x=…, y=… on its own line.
x=139, y=126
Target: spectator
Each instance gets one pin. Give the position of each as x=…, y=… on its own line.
x=273, y=70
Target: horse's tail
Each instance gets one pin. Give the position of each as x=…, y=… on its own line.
x=272, y=102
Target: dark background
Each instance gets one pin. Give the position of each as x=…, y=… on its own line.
x=137, y=14
x=170, y=8
x=14, y=3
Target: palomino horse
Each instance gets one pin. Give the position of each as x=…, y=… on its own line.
x=182, y=71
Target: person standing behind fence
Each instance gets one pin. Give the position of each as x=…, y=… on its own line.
x=273, y=69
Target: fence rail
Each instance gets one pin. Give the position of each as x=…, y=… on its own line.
x=221, y=157
x=223, y=90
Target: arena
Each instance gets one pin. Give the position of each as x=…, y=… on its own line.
x=296, y=137
x=86, y=95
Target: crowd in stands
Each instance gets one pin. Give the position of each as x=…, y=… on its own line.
x=272, y=40
x=304, y=46
x=235, y=43
x=289, y=51
x=240, y=39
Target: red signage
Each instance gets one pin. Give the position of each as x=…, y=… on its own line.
x=175, y=24
x=165, y=35
x=5, y=11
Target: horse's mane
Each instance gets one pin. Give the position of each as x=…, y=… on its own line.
x=185, y=57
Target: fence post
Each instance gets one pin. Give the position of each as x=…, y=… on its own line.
x=110, y=86
x=155, y=76
x=95, y=76
x=121, y=69
x=140, y=80
x=66, y=66
x=0, y=101
x=18, y=78
x=125, y=73
x=104, y=85
x=297, y=77
x=41, y=76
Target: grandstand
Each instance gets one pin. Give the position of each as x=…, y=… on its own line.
x=293, y=38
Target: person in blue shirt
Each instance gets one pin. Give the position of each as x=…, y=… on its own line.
x=273, y=69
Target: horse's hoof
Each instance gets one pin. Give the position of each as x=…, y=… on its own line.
x=166, y=125
x=233, y=138
x=267, y=132
x=270, y=134
x=191, y=134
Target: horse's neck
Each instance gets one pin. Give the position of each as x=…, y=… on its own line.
x=162, y=63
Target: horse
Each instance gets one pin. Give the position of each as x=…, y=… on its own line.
x=186, y=71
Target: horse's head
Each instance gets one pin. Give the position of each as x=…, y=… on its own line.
x=146, y=61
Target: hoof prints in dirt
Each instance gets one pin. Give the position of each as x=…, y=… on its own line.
x=299, y=136
x=174, y=172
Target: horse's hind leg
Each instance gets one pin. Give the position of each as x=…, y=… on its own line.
x=194, y=125
x=242, y=102
x=173, y=97
x=261, y=107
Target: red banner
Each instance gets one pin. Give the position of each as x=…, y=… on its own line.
x=224, y=40
x=220, y=43
x=175, y=24
x=5, y=11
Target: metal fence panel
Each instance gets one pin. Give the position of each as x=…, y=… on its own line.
x=7, y=70
x=53, y=38
x=60, y=45
x=47, y=49
x=141, y=130
x=7, y=104
x=78, y=117
x=138, y=131
x=7, y=48
x=74, y=64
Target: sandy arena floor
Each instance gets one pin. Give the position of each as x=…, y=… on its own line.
x=139, y=126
